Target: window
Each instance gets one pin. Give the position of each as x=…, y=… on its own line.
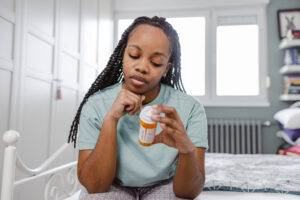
x=223, y=55
x=122, y=25
x=237, y=59
x=191, y=32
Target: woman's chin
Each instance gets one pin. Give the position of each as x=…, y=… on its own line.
x=136, y=88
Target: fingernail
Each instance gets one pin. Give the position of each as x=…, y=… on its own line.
x=154, y=106
x=154, y=116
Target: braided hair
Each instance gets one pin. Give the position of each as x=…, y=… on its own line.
x=113, y=73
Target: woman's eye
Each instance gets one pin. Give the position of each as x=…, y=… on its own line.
x=134, y=57
x=156, y=64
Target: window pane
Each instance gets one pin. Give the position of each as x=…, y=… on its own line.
x=191, y=31
x=122, y=26
x=237, y=60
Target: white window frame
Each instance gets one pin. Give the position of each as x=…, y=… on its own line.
x=257, y=101
x=211, y=15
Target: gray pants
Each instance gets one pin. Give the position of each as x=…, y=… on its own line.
x=162, y=191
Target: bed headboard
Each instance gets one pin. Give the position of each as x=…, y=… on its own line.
x=58, y=185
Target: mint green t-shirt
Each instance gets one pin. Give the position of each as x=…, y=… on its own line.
x=139, y=166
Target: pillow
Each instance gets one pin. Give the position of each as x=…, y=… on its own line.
x=294, y=134
x=289, y=118
x=287, y=138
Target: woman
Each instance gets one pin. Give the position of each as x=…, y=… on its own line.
x=143, y=70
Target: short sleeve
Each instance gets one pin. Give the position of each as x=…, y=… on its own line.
x=197, y=126
x=89, y=127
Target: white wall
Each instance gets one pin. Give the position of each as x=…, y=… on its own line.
x=165, y=5
x=46, y=45
x=8, y=64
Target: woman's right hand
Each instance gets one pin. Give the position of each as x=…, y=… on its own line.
x=126, y=102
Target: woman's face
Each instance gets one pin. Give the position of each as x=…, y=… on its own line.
x=146, y=59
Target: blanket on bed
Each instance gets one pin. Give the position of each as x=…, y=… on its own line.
x=252, y=173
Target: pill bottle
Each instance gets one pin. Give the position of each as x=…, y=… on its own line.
x=147, y=127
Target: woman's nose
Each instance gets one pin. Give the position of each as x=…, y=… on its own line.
x=142, y=67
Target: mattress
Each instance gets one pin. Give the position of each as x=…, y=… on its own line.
x=248, y=177
x=255, y=173
x=230, y=195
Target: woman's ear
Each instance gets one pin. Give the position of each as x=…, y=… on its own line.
x=169, y=65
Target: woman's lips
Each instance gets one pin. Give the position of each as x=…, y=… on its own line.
x=138, y=81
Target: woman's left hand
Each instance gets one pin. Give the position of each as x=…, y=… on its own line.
x=173, y=132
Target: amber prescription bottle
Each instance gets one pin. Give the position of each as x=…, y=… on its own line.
x=147, y=127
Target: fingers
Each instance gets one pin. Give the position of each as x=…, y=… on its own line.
x=129, y=105
x=165, y=121
x=126, y=102
x=171, y=123
x=132, y=102
x=171, y=118
x=169, y=111
x=172, y=131
x=142, y=99
x=158, y=139
x=164, y=138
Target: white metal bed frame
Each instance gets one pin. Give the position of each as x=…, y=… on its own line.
x=67, y=185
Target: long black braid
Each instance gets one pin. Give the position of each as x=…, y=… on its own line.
x=113, y=72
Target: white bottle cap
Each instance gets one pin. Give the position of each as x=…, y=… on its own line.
x=146, y=114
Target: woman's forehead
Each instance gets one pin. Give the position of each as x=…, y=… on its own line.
x=149, y=35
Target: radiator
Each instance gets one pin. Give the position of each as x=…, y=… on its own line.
x=235, y=136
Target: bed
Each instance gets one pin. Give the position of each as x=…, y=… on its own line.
x=251, y=176
x=59, y=182
x=228, y=176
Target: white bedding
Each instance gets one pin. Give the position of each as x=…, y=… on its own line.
x=225, y=195
x=252, y=173
x=229, y=195
x=249, y=177
x=75, y=196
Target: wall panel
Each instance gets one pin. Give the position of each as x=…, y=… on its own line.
x=89, y=76
x=70, y=19
x=69, y=66
x=35, y=124
x=5, y=88
x=8, y=5
x=41, y=15
x=41, y=43
x=39, y=55
x=6, y=39
x=90, y=25
x=65, y=112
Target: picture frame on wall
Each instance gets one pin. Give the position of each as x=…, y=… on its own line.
x=288, y=20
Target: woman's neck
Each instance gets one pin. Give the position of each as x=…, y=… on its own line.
x=151, y=95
